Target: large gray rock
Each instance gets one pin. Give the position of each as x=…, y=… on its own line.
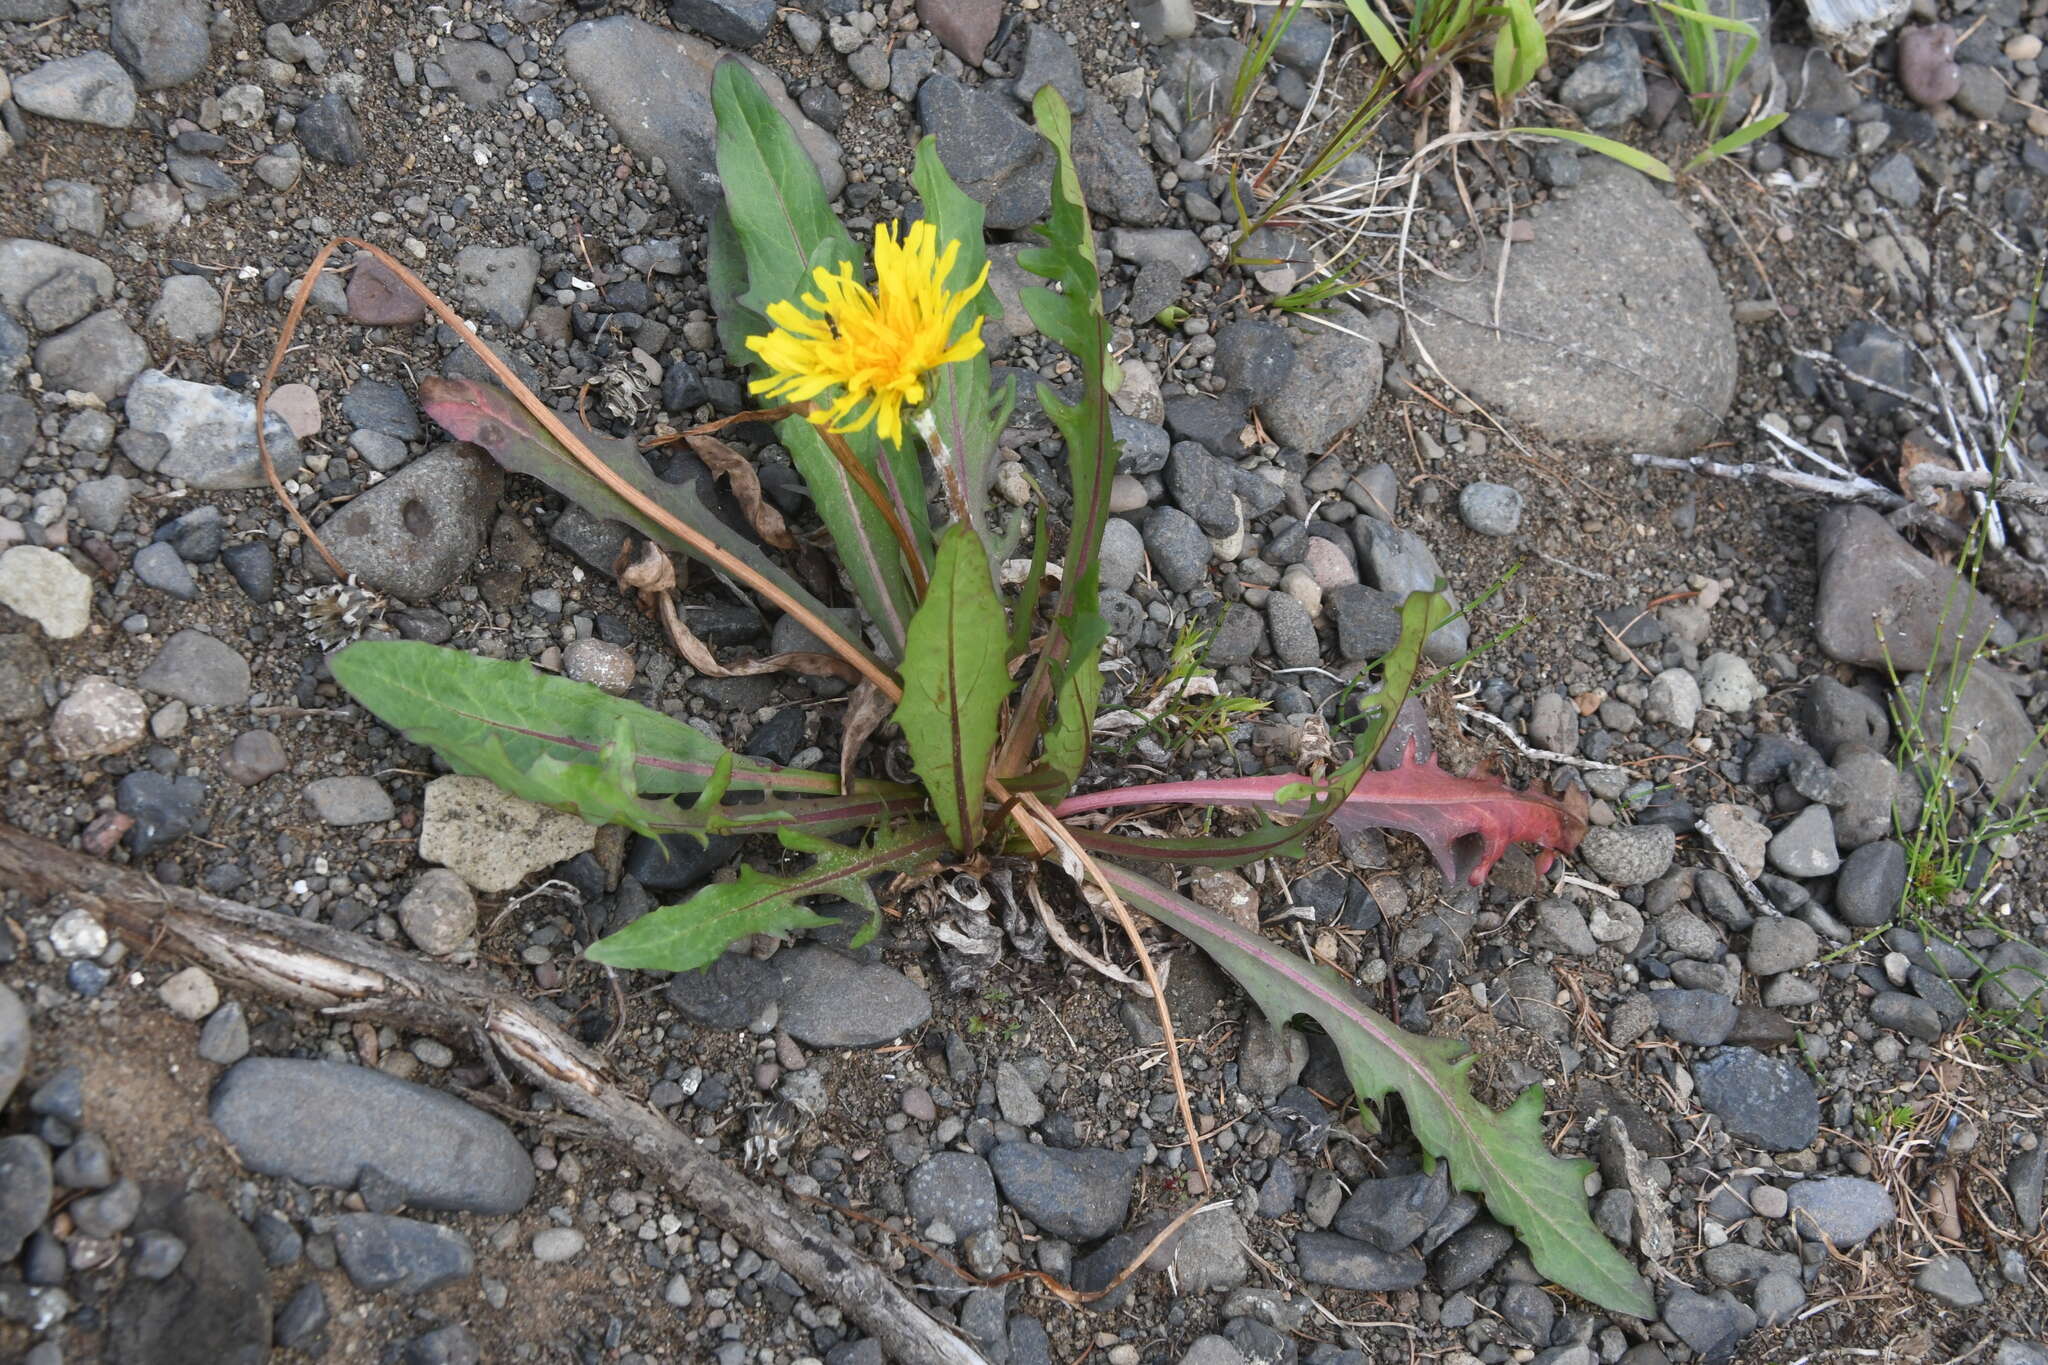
x=326, y=1123
x=991, y=152
x=1613, y=326
x=90, y=88
x=1079, y=1195
x=413, y=534
x=1764, y=1101
x=25, y=1190
x=164, y=42
x=1396, y=560
x=211, y=431
x=63, y=284
x=1330, y=386
x=497, y=282
x=1843, y=1209
x=832, y=1000
x=14, y=1042
x=653, y=86
x=1881, y=602
x=384, y=1253
x=198, y=670
x=1115, y=174
x=99, y=356
x=1976, y=717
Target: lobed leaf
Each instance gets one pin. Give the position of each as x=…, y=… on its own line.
x=1467, y=823
x=1500, y=1156
x=695, y=932
x=955, y=679
x=1066, y=677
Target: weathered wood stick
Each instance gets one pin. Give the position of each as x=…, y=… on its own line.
x=317, y=967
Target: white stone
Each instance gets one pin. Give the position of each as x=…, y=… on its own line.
x=43, y=586
x=557, y=1244
x=1729, y=686
x=190, y=994
x=100, y=717
x=493, y=840
x=77, y=934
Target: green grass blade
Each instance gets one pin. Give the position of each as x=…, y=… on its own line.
x=1608, y=147
x=955, y=678
x=1376, y=31
x=1740, y=138
x=1500, y=1156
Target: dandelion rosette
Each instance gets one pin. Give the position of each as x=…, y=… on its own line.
x=870, y=351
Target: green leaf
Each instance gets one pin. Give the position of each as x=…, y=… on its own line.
x=695, y=932
x=968, y=422
x=1077, y=687
x=1519, y=50
x=1500, y=1156
x=490, y=417
x=725, y=276
x=468, y=709
x=1735, y=141
x=955, y=678
x=772, y=189
x=1422, y=613
x=866, y=550
x=1025, y=614
x=786, y=229
x=1074, y=318
x=1608, y=147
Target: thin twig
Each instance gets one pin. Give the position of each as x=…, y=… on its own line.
x=1529, y=751
x=1860, y=490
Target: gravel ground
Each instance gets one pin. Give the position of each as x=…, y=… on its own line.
x=1816, y=1113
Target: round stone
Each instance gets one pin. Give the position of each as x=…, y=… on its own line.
x=602, y=665
x=100, y=717
x=1491, y=509
x=555, y=1245
x=299, y=405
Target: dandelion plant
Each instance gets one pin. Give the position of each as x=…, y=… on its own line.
x=993, y=686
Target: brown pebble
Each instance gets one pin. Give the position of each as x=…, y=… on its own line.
x=917, y=1103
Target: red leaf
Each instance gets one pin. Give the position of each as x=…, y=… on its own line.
x=1466, y=822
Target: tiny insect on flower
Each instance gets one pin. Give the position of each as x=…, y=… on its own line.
x=876, y=348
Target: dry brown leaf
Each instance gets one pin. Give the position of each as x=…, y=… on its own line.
x=738, y=471
x=653, y=576
x=866, y=709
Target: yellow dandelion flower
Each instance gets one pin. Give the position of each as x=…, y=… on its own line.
x=874, y=349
